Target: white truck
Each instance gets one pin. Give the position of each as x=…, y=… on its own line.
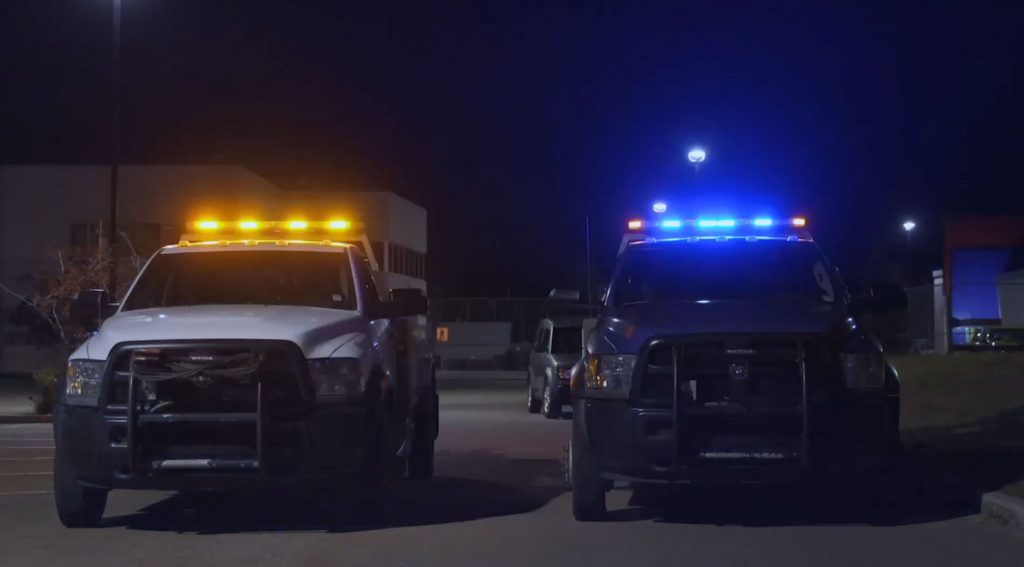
x=248, y=354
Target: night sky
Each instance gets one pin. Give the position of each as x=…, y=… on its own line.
x=512, y=122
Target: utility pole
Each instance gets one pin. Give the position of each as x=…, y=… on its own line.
x=908, y=227
x=696, y=156
x=115, y=158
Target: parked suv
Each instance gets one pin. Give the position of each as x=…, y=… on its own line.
x=557, y=346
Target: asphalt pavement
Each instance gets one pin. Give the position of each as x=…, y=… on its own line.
x=498, y=500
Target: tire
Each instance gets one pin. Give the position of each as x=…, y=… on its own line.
x=549, y=407
x=532, y=403
x=588, y=488
x=77, y=506
x=378, y=463
x=421, y=458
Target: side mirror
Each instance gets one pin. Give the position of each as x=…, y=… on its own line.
x=90, y=307
x=884, y=297
x=408, y=302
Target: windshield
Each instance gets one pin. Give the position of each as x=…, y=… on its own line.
x=709, y=270
x=567, y=340
x=259, y=277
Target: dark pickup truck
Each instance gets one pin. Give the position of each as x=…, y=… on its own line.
x=729, y=352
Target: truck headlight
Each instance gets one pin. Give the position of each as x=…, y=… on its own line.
x=610, y=375
x=336, y=379
x=83, y=382
x=862, y=362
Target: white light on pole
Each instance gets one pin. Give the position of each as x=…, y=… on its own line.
x=696, y=155
x=909, y=225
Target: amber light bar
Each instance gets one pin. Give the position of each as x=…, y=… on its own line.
x=253, y=227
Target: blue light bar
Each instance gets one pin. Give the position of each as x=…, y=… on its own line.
x=764, y=225
x=716, y=223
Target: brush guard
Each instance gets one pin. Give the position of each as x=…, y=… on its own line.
x=166, y=437
x=685, y=456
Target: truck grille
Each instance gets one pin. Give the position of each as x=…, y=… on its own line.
x=231, y=405
x=750, y=371
x=207, y=378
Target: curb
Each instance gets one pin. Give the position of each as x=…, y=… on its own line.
x=29, y=418
x=1003, y=509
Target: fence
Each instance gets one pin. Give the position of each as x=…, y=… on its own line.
x=523, y=313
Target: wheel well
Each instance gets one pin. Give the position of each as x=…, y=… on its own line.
x=377, y=387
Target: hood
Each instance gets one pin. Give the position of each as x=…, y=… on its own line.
x=317, y=331
x=626, y=329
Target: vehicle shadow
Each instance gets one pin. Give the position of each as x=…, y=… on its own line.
x=944, y=473
x=494, y=486
x=909, y=501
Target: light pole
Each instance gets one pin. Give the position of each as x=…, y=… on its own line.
x=696, y=156
x=115, y=157
x=908, y=227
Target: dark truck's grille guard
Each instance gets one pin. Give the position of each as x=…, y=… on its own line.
x=137, y=370
x=801, y=347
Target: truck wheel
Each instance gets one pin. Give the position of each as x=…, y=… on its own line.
x=421, y=458
x=551, y=408
x=588, y=488
x=532, y=403
x=77, y=506
x=378, y=460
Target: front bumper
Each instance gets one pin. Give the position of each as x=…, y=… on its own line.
x=325, y=444
x=208, y=414
x=636, y=444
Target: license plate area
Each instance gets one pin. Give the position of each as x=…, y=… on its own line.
x=740, y=437
x=181, y=446
x=734, y=448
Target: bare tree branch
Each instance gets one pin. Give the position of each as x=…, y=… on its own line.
x=56, y=323
x=21, y=298
x=134, y=257
x=78, y=270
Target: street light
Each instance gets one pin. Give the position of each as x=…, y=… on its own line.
x=696, y=155
x=908, y=226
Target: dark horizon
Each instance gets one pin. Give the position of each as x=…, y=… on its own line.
x=512, y=124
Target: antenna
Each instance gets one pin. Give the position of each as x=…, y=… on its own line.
x=590, y=296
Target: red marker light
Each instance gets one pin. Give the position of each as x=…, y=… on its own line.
x=636, y=224
x=799, y=222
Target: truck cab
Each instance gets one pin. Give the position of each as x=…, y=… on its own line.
x=248, y=354
x=728, y=350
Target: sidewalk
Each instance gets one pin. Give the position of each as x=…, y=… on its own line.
x=15, y=405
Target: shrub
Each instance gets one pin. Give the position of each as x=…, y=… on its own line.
x=46, y=391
